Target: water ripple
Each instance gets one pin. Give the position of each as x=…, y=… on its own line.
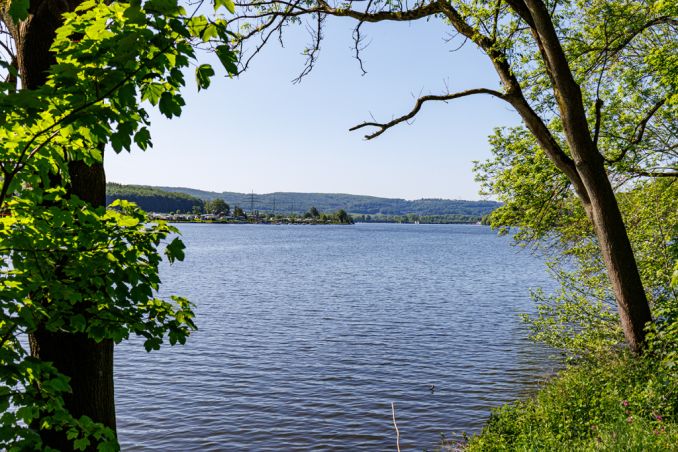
x=308, y=334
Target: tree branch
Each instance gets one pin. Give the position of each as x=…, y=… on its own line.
x=641, y=172
x=639, y=131
x=383, y=127
x=380, y=16
x=596, y=133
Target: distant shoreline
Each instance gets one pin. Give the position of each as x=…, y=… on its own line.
x=313, y=224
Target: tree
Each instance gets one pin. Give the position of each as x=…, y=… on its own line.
x=313, y=212
x=217, y=207
x=238, y=212
x=76, y=277
x=343, y=217
x=568, y=68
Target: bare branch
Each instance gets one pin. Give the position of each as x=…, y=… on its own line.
x=381, y=16
x=639, y=131
x=312, y=53
x=640, y=172
x=357, y=39
x=596, y=133
x=383, y=127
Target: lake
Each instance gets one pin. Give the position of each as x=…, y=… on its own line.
x=308, y=333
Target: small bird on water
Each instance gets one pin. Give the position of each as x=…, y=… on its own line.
x=432, y=388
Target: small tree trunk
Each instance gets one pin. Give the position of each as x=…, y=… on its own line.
x=88, y=364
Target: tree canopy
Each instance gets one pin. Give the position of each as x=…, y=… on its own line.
x=72, y=270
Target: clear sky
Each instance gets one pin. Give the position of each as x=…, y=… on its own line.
x=263, y=133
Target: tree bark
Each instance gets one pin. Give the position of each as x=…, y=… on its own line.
x=88, y=364
x=615, y=246
x=616, y=250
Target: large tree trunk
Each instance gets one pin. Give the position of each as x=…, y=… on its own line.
x=88, y=364
x=602, y=207
x=617, y=253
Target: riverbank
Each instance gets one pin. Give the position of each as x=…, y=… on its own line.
x=616, y=402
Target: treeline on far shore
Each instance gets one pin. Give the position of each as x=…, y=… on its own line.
x=178, y=206
x=220, y=212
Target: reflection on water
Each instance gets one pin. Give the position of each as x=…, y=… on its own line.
x=308, y=333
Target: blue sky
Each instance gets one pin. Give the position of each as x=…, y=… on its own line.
x=263, y=133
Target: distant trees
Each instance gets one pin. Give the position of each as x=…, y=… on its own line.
x=238, y=212
x=217, y=207
x=343, y=217
x=313, y=212
x=152, y=199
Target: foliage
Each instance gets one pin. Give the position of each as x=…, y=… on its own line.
x=217, y=207
x=238, y=212
x=617, y=403
x=67, y=266
x=607, y=401
x=581, y=317
x=356, y=204
x=343, y=217
x=151, y=199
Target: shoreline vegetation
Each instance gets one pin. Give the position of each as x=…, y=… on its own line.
x=302, y=220
x=187, y=205
x=341, y=218
x=606, y=397
x=617, y=402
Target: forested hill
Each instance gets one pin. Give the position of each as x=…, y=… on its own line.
x=152, y=199
x=330, y=202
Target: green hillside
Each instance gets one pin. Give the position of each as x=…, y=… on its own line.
x=152, y=199
x=355, y=204
x=172, y=199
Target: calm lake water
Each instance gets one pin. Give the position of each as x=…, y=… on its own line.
x=308, y=333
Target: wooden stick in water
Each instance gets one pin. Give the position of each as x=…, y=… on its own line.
x=396, y=427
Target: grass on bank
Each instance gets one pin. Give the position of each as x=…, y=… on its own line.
x=617, y=403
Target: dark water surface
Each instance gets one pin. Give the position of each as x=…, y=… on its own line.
x=308, y=333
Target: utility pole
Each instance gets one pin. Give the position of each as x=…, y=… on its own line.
x=273, y=205
x=252, y=202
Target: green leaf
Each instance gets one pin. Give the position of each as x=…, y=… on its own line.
x=197, y=25
x=228, y=58
x=78, y=323
x=175, y=250
x=165, y=7
x=81, y=444
x=203, y=75
x=170, y=104
x=127, y=222
x=152, y=92
x=143, y=138
x=210, y=31
x=18, y=9
x=230, y=6
x=134, y=14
